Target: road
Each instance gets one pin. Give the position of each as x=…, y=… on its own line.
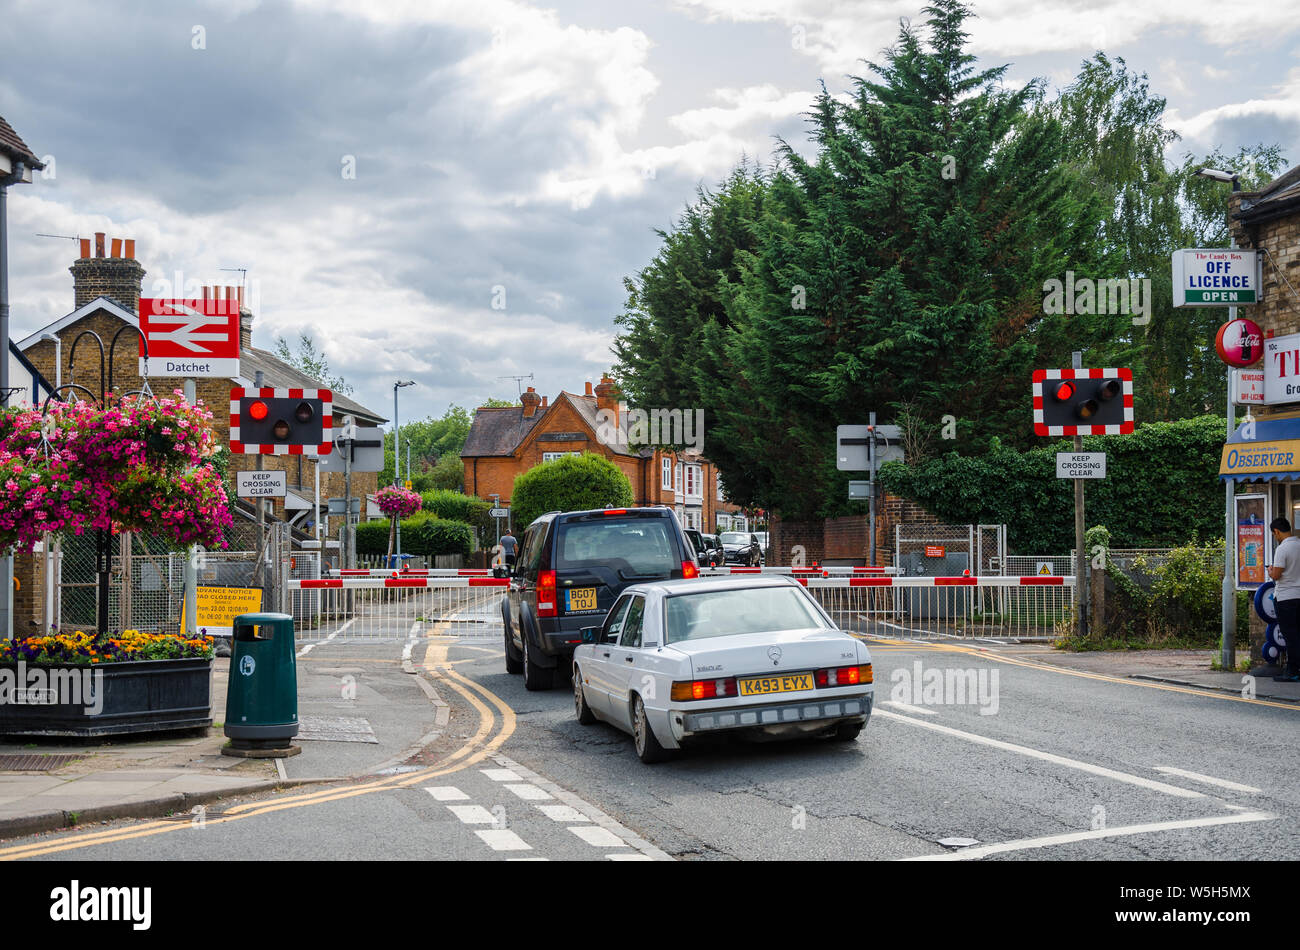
x=1035, y=763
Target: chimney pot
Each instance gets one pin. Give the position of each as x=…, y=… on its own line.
x=99, y=243
x=130, y=250
x=116, y=249
x=588, y=387
x=530, y=402
x=543, y=402
x=85, y=248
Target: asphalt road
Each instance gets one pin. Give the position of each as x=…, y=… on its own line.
x=1041, y=763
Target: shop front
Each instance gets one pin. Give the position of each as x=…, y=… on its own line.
x=1263, y=459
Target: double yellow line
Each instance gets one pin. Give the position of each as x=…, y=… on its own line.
x=496, y=725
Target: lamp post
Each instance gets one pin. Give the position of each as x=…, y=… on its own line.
x=53, y=550
x=16, y=164
x=1228, y=646
x=397, y=455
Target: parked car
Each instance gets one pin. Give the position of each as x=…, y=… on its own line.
x=741, y=547
x=708, y=549
x=675, y=661
x=763, y=545
x=571, y=568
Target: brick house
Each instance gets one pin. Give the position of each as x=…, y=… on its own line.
x=106, y=291
x=506, y=442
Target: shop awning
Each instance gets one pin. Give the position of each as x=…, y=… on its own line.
x=1272, y=453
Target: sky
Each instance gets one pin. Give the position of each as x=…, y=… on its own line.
x=455, y=192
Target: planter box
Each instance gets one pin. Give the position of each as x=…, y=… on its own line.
x=144, y=696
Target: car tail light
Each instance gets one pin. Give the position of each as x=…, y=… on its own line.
x=704, y=689
x=615, y=511
x=843, y=676
x=689, y=569
x=546, y=594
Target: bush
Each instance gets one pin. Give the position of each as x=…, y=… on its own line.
x=423, y=533
x=569, y=483
x=454, y=506
x=1161, y=487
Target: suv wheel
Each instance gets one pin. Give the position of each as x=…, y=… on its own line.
x=514, y=662
x=535, y=677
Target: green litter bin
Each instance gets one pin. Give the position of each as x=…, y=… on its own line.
x=262, y=696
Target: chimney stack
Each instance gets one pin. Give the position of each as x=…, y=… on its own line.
x=531, y=401
x=588, y=387
x=606, y=396
x=118, y=277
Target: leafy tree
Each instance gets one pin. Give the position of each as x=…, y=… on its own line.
x=569, y=483
x=434, y=446
x=310, y=362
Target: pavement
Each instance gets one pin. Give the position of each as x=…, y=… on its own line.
x=358, y=715
x=367, y=715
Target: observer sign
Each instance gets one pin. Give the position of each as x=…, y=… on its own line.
x=1080, y=464
x=1216, y=277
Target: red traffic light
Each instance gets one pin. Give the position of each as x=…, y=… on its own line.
x=257, y=411
x=1065, y=392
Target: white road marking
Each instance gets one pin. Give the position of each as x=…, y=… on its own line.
x=529, y=793
x=502, y=775
x=1209, y=780
x=969, y=854
x=562, y=813
x=472, y=814
x=502, y=839
x=625, y=835
x=598, y=837
x=1088, y=767
x=909, y=708
x=628, y=856
x=311, y=646
x=446, y=793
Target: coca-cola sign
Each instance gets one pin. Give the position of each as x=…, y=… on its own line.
x=1240, y=343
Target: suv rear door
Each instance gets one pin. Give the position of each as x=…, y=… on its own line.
x=598, y=554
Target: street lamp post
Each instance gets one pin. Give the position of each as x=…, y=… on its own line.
x=1228, y=646
x=397, y=455
x=16, y=164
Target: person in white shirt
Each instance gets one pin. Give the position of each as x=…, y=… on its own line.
x=1285, y=572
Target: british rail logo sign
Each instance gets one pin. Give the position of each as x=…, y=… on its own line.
x=193, y=338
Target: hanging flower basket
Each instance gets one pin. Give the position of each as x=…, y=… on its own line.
x=138, y=464
x=398, y=502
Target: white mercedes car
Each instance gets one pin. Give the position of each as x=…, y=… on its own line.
x=680, y=659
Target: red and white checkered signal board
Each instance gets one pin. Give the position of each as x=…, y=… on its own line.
x=1043, y=376
x=323, y=448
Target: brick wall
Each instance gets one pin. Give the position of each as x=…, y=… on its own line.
x=847, y=538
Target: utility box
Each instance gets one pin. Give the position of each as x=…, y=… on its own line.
x=262, y=696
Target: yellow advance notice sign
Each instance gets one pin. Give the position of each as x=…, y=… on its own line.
x=219, y=606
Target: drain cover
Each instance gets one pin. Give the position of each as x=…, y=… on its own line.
x=336, y=729
x=36, y=763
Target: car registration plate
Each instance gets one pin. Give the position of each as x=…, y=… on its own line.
x=581, y=598
x=762, y=685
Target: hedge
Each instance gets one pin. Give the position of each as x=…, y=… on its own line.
x=423, y=533
x=569, y=483
x=1161, y=488
x=454, y=506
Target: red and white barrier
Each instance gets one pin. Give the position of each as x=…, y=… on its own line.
x=412, y=572
x=390, y=581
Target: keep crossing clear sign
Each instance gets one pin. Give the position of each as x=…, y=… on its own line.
x=1080, y=464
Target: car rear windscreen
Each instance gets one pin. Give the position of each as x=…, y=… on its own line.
x=724, y=613
x=643, y=545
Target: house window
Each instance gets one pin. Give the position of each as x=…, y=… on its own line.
x=668, y=475
x=690, y=481
x=677, y=479
x=552, y=456
x=724, y=522
x=720, y=498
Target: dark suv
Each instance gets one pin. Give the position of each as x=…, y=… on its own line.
x=571, y=568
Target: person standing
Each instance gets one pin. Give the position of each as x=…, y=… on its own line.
x=508, y=548
x=1285, y=572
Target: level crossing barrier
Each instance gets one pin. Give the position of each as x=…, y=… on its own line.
x=397, y=606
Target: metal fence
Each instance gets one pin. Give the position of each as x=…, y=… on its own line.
x=925, y=549
x=396, y=608
x=998, y=608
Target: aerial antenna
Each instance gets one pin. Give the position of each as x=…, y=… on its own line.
x=519, y=381
x=62, y=237
x=243, y=275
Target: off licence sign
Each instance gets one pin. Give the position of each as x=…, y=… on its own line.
x=1080, y=464
x=271, y=484
x=1215, y=277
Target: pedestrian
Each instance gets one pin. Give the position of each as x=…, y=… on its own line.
x=508, y=547
x=1285, y=572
